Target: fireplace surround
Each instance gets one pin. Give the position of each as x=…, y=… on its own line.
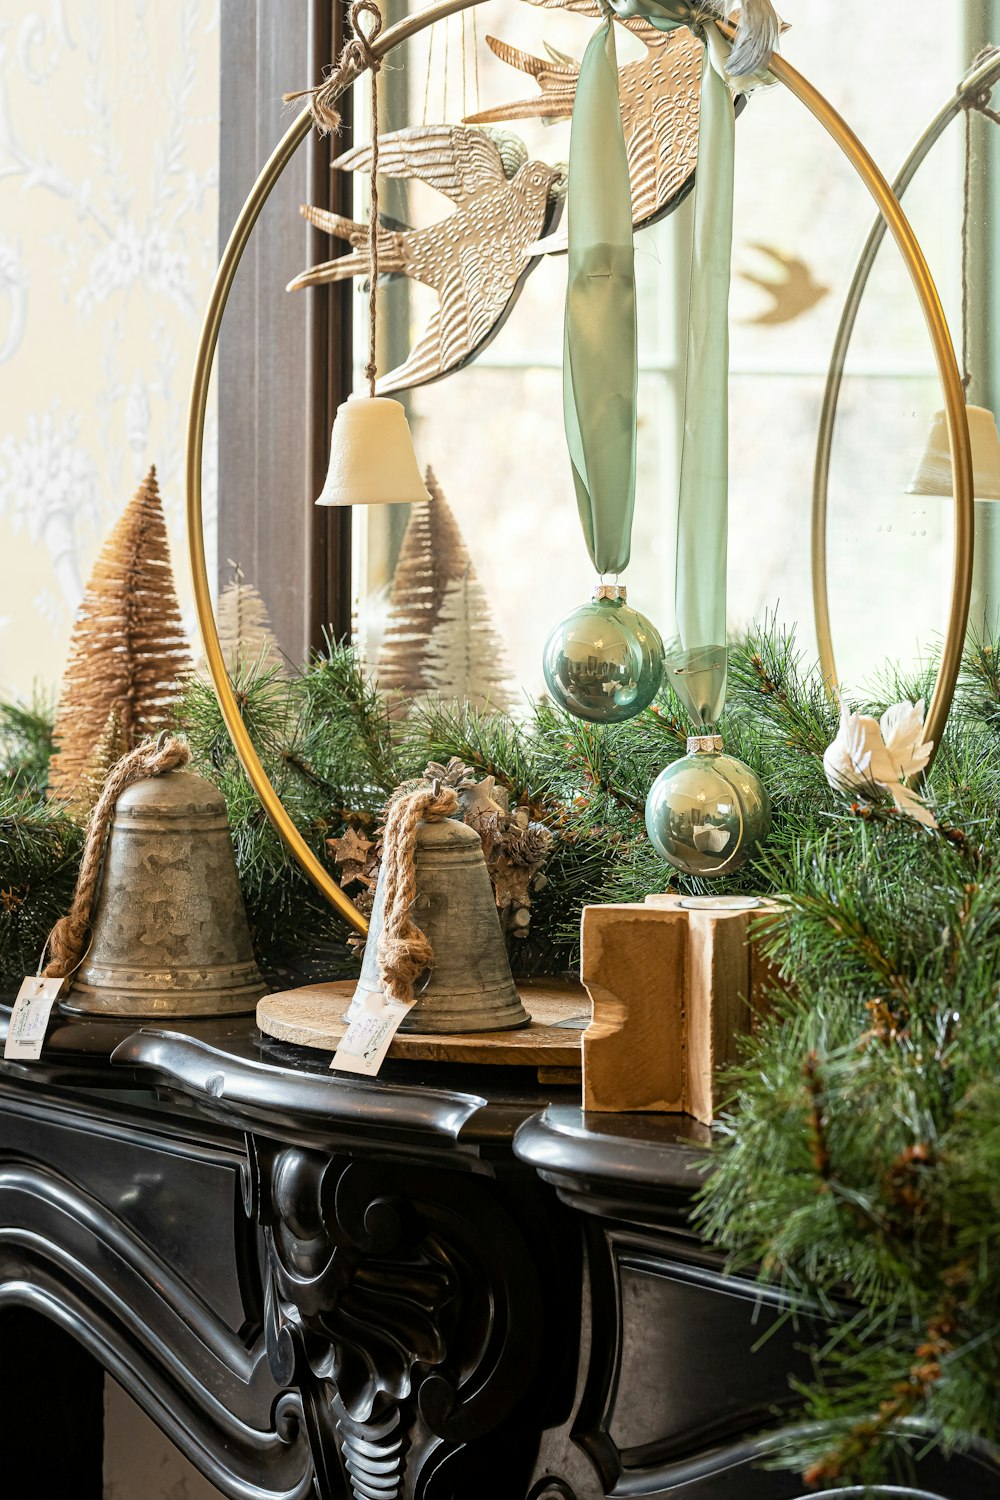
x=424, y=1285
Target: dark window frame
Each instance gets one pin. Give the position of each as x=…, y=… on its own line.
x=284, y=362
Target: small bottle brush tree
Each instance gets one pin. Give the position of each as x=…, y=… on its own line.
x=128, y=652
x=245, y=633
x=465, y=656
x=441, y=639
x=107, y=752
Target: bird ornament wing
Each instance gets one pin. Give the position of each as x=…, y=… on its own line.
x=393, y=258
x=455, y=333
x=475, y=258
x=556, y=77
x=660, y=97
x=460, y=161
x=486, y=271
x=422, y=364
x=661, y=102
x=592, y=9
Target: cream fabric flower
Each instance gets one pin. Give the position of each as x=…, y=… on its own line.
x=882, y=753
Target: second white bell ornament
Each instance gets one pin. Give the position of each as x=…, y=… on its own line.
x=933, y=474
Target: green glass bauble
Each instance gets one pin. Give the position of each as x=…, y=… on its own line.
x=604, y=662
x=708, y=813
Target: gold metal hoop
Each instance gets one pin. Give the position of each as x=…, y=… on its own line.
x=926, y=291
x=986, y=75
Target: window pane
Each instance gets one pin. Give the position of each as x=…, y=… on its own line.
x=493, y=432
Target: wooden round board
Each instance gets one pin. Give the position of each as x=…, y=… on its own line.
x=313, y=1017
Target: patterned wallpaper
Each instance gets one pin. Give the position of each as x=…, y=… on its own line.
x=108, y=204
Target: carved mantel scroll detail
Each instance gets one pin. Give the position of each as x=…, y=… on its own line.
x=403, y=1301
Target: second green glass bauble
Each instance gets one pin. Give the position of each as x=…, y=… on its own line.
x=708, y=813
x=604, y=662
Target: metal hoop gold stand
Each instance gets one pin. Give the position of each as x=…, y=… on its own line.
x=981, y=77
x=259, y=193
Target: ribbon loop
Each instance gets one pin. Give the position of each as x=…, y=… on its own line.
x=600, y=364
x=601, y=357
x=757, y=32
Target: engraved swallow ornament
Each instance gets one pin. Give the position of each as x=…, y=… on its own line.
x=660, y=97
x=475, y=258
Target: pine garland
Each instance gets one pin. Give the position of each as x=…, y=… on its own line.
x=859, y=1167
x=40, y=848
x=26, y=745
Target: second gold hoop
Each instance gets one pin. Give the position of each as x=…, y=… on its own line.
x=926, y=291
x=984, y=75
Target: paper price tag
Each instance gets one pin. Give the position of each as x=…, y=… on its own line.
x=30, y=1017
x=367, y=1039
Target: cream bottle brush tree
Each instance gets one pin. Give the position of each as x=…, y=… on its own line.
x=245, y=633
x=441, y=639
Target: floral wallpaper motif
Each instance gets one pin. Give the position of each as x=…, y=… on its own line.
x=108, y=204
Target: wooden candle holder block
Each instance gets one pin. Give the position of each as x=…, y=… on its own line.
x=672, y=989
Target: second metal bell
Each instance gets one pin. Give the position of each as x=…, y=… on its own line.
x=469, y=988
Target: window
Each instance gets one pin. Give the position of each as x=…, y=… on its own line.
x=493, y=432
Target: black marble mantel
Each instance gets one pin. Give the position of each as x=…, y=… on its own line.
x=436, y=1285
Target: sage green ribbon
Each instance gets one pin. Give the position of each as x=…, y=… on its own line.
x=600, y=356
x=601, y=360
x=698, y=665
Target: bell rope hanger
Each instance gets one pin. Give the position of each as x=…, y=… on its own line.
x=889, y=207
x=372, y=461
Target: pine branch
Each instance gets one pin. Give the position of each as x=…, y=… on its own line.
x=40, y=851
x=766, y=678
x=860, y=1166
x=26, y=744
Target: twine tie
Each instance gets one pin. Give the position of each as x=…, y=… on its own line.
x=404, y=951
x=357, y=56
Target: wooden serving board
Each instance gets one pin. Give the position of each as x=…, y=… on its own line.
x=313, y=1017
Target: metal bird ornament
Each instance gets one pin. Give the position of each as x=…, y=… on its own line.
x=476, y=258
x=660, y=98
